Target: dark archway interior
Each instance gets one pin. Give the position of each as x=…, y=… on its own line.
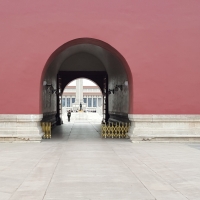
x=93, y=62
x=68, y=76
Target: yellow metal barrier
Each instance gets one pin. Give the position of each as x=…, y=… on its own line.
x=117, y=130
x=46, y=128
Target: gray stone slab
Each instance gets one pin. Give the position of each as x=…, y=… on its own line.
x=77, y=164
x=5, y=196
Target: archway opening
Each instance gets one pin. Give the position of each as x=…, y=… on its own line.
x=82, y=100
x=95, y=60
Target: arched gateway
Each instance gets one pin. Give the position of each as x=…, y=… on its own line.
x=103, y=64
x=83, y=57
x=93, y=59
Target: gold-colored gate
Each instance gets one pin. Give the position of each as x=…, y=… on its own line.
x=46, y=128
x=115, y=130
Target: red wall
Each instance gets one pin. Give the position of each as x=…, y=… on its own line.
x=160, y=41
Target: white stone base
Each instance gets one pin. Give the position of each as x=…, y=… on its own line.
x=164, y=128
x=16, y=127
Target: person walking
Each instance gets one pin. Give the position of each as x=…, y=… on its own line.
x=69, y=115
x=80, y=106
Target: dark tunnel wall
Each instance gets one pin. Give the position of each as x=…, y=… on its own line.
x=49, y=103
x=119, y=101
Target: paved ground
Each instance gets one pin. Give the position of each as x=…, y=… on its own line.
x=76, y=164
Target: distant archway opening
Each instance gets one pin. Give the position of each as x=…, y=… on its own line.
x=82, y=99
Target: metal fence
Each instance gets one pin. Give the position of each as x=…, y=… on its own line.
x=115, y=130
x=110, y=130
x=46, y=128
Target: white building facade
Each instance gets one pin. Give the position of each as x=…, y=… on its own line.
x=91, y=98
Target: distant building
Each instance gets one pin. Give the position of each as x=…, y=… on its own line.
x=92, y=98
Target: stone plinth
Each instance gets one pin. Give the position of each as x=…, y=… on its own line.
x=164, y=127
x=16, y=127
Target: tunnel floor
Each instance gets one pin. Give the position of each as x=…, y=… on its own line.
x=82, y=126
x=77, y=164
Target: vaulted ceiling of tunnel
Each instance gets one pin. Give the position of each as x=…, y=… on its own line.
x=110, y=63
x=82, y=62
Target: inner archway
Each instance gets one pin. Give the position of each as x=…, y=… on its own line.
x=82, y=100
x=97, y=61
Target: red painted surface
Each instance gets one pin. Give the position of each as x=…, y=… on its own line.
x=160, y=41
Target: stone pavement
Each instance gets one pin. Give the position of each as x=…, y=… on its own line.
x=76, y=164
